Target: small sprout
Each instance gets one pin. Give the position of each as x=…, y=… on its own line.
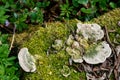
x=58, y=44
x=92, y=32
x=102, y=51
x=65, y=71
x=26, y=60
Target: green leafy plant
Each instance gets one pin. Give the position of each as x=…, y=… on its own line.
x=36, y=15
x=3, y=17
x=66, y=10
x=77, y=2
x=86, y=9
x=112, y=5
x=43, y=4
x=8, y=67
x=22, y=12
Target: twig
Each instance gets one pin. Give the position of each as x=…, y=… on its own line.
x=117, y=64
x=107, y=37
x=13, y=38
x=5, y=28
x=113, y=50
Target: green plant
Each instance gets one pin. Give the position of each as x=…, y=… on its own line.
x=8, y=67
x=66, y=10
x=19, y=20
x=77, y=2
x=3, y=17
x=86, y=9
x=36, y=15
x=22, y=12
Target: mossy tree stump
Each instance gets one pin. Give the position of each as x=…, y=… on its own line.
x=50, y=67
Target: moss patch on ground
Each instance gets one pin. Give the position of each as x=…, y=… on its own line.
x=110, y=20
x=50, y=67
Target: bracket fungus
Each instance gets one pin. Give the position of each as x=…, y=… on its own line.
x=65, y=71
x=75, y=51
x=26, y=60
x=58, y=44
x=81, y=49
x=70, y=40
x=101, y=52
x=90, y=31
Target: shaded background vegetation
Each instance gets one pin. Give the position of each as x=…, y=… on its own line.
x=20, y=13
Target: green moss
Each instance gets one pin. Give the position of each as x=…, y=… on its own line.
x=38, y=42
x=112, y=77
x=49, y=67
x=110, y=20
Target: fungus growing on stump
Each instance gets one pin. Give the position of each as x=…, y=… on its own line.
x=86, y=47
x=26, y=60
x=98, y=54
x=90, y=31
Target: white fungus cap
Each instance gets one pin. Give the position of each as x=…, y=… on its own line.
x=79, y=60
x=103, y=52
x=75, y=55
x=90, y=31
x=57, y=44
x=26, y=60
x=70, y=40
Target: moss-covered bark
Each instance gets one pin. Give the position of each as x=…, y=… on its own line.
x=110, y=20
x=50, y=67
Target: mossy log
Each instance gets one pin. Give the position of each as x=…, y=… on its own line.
x=39, y=39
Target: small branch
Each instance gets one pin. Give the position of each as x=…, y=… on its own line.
x=5, y=28
x=13, y=38
x=107, y=36
x=108, y=40
x=113, y=51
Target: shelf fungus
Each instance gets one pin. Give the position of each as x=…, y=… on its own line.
x=58, y=44
x=75, y=51
x=65, y=71
x=26, y=60
x=70, y=40
x=98, y=54
x=90, y=31
x=80, y=47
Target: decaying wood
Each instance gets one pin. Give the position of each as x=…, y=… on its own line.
x=116, y=69
x=111, y=65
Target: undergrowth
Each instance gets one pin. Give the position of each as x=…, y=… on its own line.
x=8, y=66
